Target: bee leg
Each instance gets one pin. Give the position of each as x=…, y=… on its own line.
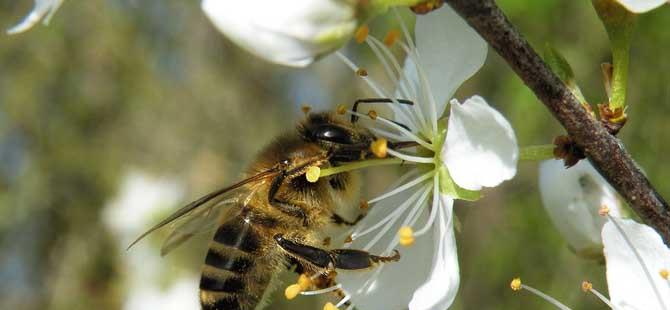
x=337, y=219
x=333, y=259
x=283, y=206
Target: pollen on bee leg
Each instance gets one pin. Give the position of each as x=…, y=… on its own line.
x=379, y=147
x=664, y=273
x=515, y=284
x=304, y=282
x=341, y=109
x=391, y=37
x=329, y=306
x=406, y=236
x=313, y=173
x=604, y=210
x=362, y=33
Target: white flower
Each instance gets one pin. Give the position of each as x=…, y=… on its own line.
x=41, y=9
x=292, y=33
x=637, y=266
x=641, y=6
x=474, y=148
x=572, y=198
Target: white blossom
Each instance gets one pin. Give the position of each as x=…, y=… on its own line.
x=42, y=11
x=641, y=6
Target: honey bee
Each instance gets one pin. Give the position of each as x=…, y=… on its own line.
x=272, y=218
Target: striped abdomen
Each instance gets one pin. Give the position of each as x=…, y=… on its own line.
x=236, y=271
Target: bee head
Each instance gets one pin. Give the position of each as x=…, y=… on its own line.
x=346, y=141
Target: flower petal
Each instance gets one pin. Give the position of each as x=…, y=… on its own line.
x=389, y=286
x=439, y=291
x=292, y=35
x=41, y=9
x=572, y=197
x=629, y=285
x=480, y=148
x=450, y=52
x=641, y=6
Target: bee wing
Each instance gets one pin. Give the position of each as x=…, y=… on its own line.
x=207, y=202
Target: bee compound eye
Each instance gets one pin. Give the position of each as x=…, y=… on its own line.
x=333, y=133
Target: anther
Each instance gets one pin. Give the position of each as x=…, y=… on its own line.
x=406, y=236
x=361, y=72
x=362, y=33
x=664, y=273
x=329, y=306
x=341, y=109
x=349, y=239
x=515, y=284
x=587, y=286
x=364, y=205
x=604, y=210
x=312, y=174
x=292, y=291
x=304, y=282
x=372, y=114
x=379, y=147
x=391, y=37
x=306, y=108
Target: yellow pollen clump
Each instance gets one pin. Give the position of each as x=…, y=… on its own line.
x=406, y=236
x=379, y=147
x=361, y=72
x=329, y=306
x=304, y=282
x=664, y=273
x=341, y=109
x=362, y=33
x=312, y=174
x=372, y=114
x=604, y=211
x=515, y=284
x=587, y=286
x=306, y=108
x=292, y=291
x=391, y=37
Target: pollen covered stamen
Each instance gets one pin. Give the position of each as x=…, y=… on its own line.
x=379, y=147
x=604, y=210
x=304, y=283
x=362, y=34
x=361, y=72
x=406, y=236
x=516, y=285
x=391, y=38
x=313, y=173
x=587, y=287
x=664, y=273
x=372, y=114
x=329, y=306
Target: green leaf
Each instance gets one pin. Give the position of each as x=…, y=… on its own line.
x=562, y=68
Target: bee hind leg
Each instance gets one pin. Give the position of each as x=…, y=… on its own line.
x=348, y=259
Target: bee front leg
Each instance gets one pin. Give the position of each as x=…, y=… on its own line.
x=348, y=259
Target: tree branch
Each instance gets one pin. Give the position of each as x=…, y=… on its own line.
x=604, y=151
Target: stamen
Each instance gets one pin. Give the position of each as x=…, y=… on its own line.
x=329, y=306
x=588, y=287
x=364, y=206
x=433, y=210
x=362, y=72
x=313, y=173
x=405, y=186
x=322, y=291
x=372, y=114
x=664, y=273
x=406, y=236
x=516, y=285
x=381, y=132
x=362, y=33
x=391, y=37
x=604, y=210
x=640, y=261
x=401, y=129
x=341, y=109
x=379, y=147
x=292, y=291
x=304, y=282
x=342, y=302
x=416, y=159
x=306, y=108
x=361, y=164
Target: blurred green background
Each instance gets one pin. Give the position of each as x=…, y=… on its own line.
x=120, y=111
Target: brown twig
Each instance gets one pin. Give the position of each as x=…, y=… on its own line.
x=606, y=152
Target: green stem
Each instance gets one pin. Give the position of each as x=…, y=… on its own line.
x=537, y=152
x=359, y=165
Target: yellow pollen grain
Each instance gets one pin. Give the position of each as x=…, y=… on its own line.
x=292, y=291
x=306, y=108
x=361, y=72
x=329, y=306
x=391, y=37
x=304, y=282
x=664, y=273
x=604, y=210
x=379, y=147
x=362, y=34
x=312, y=174
x=341, y=109
x=406, y=236
x=587, y=286
x=515, y=284
x=372, y=114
